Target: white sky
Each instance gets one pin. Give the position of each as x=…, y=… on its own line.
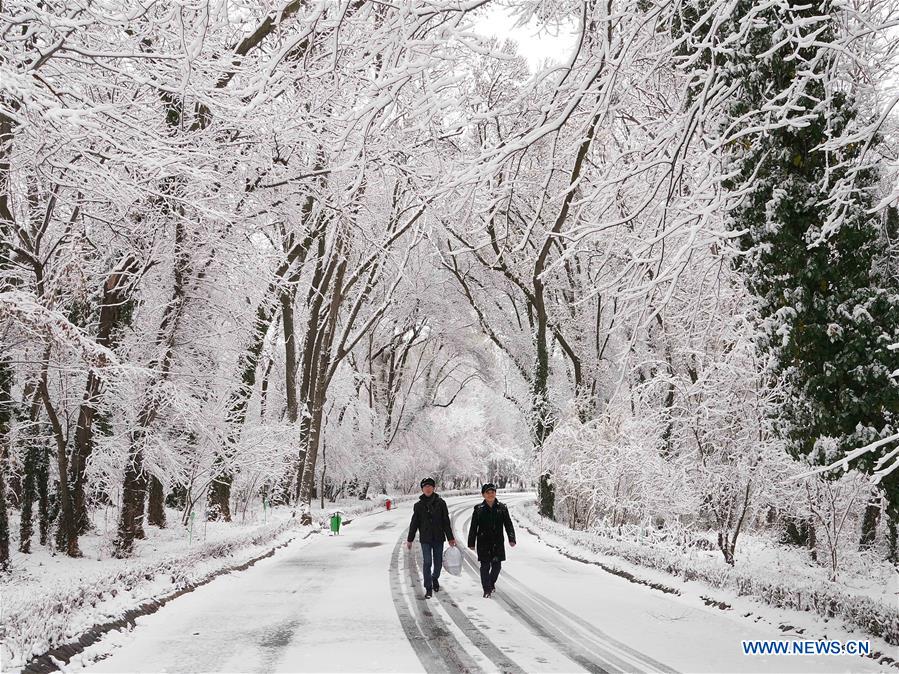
x=557, y=44
x=534, y=44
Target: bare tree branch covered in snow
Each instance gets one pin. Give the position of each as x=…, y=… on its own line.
x=291, y=252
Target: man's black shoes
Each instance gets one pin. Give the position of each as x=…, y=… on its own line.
x=427, y=594
x=436, y=586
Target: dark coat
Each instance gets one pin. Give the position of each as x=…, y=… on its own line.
x=486, y=530
x=430, y=517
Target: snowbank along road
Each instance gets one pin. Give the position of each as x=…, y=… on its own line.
x=354, y=603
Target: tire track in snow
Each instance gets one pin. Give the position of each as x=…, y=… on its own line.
x=603, y=640
x=436, y=647
x=540, y=626
x=583, y=643
x=474, y=633
x=538, y=623
x=445, y=641
x=420, y=644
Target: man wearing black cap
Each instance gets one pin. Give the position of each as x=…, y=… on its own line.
x=487, y=523
x=430, y=517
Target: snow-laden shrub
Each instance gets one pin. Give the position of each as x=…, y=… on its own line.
x=609, y=470
x=833, y=506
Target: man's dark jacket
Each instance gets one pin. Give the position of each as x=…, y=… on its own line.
x=487, y=530
x=430, y=517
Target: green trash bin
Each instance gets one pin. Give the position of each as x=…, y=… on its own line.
x=335, y=524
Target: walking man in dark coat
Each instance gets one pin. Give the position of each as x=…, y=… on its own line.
x=430, y=517
x=487, y=524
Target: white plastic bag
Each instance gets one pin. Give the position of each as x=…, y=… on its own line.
x=452, y=560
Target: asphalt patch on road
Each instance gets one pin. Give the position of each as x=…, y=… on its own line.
x=364, y=544
x=275, y=641
x=278, y=638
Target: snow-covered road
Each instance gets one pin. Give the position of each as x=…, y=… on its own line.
x=354, y=603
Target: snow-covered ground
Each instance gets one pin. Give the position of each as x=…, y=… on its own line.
x=354, y=603
x=865, y=600
x=49, y=599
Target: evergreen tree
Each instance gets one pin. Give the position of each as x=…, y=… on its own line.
x=829, y=314
x=828, y=300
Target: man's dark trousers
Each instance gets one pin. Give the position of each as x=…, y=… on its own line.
x=489, y=573
x=429, y=551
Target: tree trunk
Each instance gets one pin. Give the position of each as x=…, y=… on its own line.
x=134, y=489
x=324, y=338
x=68, y=531
x=219, y=496
x=156, y=503
x=43, y=494
x=83, y=448
x=35, y=459
x=727, y=547
x=7, y=222
x=668, y=405
x=312, y=343
x=141, y=511
x=5, y=416
x=263, y=387
x=892, y=513
x=4, y=519
x=541, y=425
x=306, y=482
x=546, y=496
x=812, y=541
x=113, y=313
x=892, y=542
x=6, y=371
x=869, y=526
x=29, y=493
x=539, y=387
x=4, y=523
x=290, y=350
x=132, y=500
